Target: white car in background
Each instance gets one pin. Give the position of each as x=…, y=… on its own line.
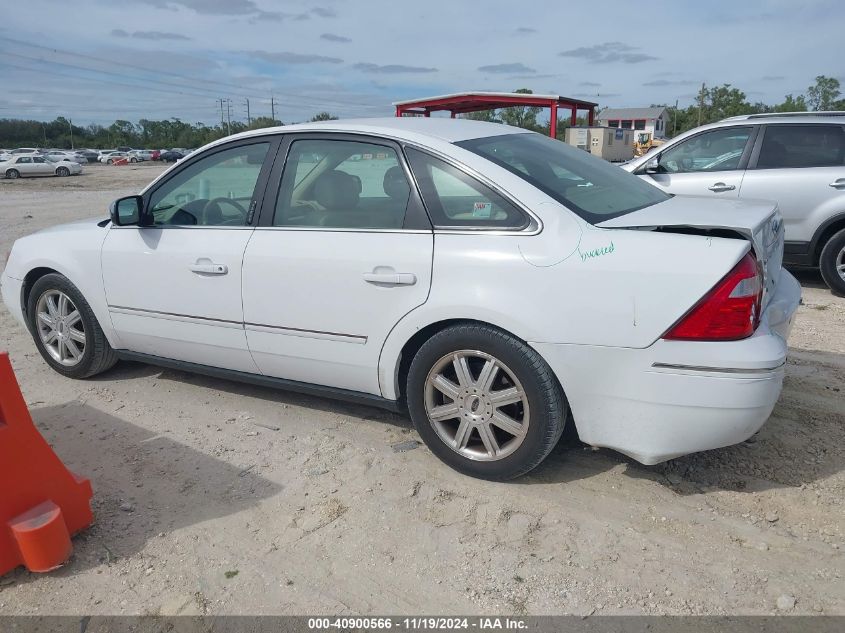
x=494, y=283
x=23, y=165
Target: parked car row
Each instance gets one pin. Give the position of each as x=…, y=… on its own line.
x=106, y=156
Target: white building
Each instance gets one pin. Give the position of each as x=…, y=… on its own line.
x=652, y=120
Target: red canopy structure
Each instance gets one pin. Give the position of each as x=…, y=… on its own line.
x=463, y=102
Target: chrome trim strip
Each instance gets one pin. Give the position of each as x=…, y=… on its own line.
x=325, y=229
x=719, y=370
x=317, y=334
x=170, y=316
x=193, y=227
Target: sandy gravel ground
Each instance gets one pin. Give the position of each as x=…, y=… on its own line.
x=215, y=497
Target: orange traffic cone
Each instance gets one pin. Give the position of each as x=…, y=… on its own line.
x=42, y=503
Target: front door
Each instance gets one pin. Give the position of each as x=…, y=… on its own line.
x=708, y=164
x=174, y=285
x=343, y=253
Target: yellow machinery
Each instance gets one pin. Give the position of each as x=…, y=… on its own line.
x=644, y=142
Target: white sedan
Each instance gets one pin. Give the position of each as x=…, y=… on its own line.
x=37, y=165
x=495, y=284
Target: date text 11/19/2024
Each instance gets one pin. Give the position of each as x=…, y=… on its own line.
x=416, y=623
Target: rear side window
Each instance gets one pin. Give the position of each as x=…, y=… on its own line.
x=456, y=200
x=802, y=146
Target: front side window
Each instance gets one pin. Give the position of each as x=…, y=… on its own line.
x=589, y=186
x=802, y=146
x=342, y=185
x=38, y=159
x=716, y=150
x=214, y=191
x=456, y=200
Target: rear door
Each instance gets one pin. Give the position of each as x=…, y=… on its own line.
x=343, y=251
x=802, y=168
x=711, y=163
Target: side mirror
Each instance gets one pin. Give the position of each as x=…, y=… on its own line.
x=126, y=211
x=652, y=166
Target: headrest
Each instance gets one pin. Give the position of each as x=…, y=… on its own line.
x=395, y=184
x=336, y=190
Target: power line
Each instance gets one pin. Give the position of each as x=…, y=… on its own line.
x=308, y=98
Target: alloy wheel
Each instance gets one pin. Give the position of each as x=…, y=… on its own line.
x=840, y=263
x=60, y=328
x=476, y=405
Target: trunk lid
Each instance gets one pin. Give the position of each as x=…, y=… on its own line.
x=758, y=221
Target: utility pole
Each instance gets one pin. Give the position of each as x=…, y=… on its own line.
x=675, y=119
x=248, y=119
x=229, y=115
x=273, y=109
x=70, y=125
x=700, y=102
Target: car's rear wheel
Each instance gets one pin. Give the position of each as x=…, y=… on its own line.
x=832, y=263
x=63, y=171
x=12, y=174
x=65, y=330
x=485, y=402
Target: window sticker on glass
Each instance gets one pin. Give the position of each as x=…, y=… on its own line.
x=482, y=210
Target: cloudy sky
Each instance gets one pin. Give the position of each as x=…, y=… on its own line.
x=98, y=60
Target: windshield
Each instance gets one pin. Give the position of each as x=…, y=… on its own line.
x=589, y=186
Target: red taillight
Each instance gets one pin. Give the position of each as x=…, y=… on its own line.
x=729, y=312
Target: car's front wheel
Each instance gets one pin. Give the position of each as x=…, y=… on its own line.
x=832, y=263
x=65, y=330
x=12, y=174
x=485, y=402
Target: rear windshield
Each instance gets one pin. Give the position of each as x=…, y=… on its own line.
x=589, y=186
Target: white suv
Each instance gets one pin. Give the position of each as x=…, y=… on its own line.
x=795, y=159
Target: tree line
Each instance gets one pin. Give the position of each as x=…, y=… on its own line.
x=145, y=134
x=712, y=104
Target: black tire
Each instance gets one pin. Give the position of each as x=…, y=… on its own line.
x=12, y=174
x=133, y=160
x=98, y=356
x=549, y=410
x=62, y=172
x=827, y=263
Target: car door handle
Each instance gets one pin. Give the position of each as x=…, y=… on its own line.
x=720, y=186
x=839, y=183
x=207, y=267
x=391, y=279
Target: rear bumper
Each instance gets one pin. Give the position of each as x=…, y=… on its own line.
x=677, y=397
